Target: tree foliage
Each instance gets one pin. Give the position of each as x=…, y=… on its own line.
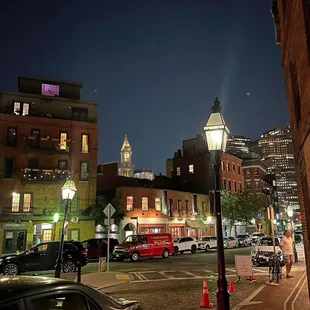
x=242, y=206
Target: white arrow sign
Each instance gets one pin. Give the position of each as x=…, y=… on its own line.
x=109, y=210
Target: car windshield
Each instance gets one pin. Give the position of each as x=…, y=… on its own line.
x=205, y=239
x=132, y=239
x=268, y=242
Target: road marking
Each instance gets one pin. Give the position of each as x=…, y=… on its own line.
x=138, y=276
x=142, y=276
x=247, y=301
x=293, y=291
x=168, y=276
x=298, y=293
x=189, y=273
x=122, y=277
x=260, y=270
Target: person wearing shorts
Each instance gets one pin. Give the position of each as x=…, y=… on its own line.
x=286, y=246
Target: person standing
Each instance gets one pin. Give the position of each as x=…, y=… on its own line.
x=286, y=246
x=103, y=252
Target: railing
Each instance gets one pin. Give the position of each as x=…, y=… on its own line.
x=44, y=175
x=46, y=145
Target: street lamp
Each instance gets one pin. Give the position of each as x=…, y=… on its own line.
x=55, y=220
x=68, y=192
x=216, y=135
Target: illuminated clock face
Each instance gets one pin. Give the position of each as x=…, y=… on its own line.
x=126, y=155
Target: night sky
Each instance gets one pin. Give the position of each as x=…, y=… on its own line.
x=153, y=66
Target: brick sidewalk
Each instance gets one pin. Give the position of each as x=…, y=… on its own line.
x=290, y=294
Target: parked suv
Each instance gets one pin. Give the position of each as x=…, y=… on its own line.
x=43, y=257
x=183, y=244
x=207, y=243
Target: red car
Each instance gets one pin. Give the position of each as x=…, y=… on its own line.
x=146, y=245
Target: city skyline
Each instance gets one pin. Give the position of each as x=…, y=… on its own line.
x=153, y=69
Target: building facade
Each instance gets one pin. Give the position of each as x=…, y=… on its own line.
x=292, y=28
x=238, y=145
x=276, y=147
x=49, y=135
x=126, y=168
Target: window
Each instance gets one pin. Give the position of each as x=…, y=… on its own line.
x=235, y=186
x=248, y=171
x=240, y=186
x=21, y=108
x=229, y=185
x=178, y=171
x=191, y=169
x=158, y=204
x=8, y=168
x=63, y=141
x=224, y=184
x=234, y=168
x=73, y=204
x=256, y=172
x=248, y=185
x=62, y=164
x=186, y=205
x=129, y=204
x=145, y=204
x=26, y=202
x=47, y=235
x=85, y=141
x=11, y=136
x=35, y=138
x=49, y=90
x=79, y=114
x=257, y=184
x=84, y=171
x=179, y=205
x=73, y=234
x=15, y=202
x=239, y=170
x=228, y=166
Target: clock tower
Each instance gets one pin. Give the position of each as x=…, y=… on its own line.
x=126, y=167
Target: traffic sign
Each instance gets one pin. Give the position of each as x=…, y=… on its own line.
x=109, y=210
x=108, y=222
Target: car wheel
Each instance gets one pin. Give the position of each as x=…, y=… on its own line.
x=193, y=249
x=176, y=250
x=68, y=267
x=207, y=248
x=165, y=253
x=10, y=270
x=135, y=256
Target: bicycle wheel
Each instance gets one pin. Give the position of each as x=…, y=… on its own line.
x=278, y=271
x=271, y=273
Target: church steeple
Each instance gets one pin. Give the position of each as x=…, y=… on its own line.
x=126, y=168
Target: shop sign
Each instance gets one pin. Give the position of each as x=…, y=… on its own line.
x=14, y=225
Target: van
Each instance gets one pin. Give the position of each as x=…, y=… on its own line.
x=144, y=245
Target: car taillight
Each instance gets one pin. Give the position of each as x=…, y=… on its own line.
x=84, y=251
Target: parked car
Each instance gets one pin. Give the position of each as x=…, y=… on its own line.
x=43, y=257
x=40, y=293
x=144, y=245
x=92, y=246
x=207, y=243
x=183, y=244
x=263, y=250
x=256, y=236
x=244, y=240
x=230, y=242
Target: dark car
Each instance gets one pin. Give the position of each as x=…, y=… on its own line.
x=92, y=246
x=42, y=257
x=40, y=293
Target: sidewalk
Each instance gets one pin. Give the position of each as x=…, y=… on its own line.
x=99, y=280
x=289, y=294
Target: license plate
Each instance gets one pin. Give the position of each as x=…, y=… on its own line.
x=117, y=255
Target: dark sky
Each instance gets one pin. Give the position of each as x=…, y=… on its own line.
x=153, y=66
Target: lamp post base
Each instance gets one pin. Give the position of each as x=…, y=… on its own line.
x=58, y=270
x=222, y=298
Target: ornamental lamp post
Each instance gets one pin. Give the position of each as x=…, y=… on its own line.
x=216, y=135
x=68, y=192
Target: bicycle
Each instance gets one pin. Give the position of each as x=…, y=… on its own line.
x=275, y=268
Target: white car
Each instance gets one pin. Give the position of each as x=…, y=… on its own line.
x=256, y=236
x=183, y=244
x=207, y=243
x=230, y=242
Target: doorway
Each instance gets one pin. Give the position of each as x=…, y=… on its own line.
x=14, y=241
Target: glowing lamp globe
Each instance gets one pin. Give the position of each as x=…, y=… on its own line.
x=216, y=130
x=68, y=190
x=56, y=217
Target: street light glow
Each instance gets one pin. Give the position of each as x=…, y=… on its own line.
x=209, y=219
x=68, y=190
x=56, y=217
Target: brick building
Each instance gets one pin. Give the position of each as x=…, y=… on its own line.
x=48, y=135
x=193, y=166
x=292, y=28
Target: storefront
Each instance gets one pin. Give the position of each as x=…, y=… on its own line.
x=177, y=230
x=196, y=228
x=152, y=229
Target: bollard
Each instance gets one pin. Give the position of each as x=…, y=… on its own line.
x=79, y=271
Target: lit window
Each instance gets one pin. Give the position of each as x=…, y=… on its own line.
x=191, y=169
x=50, y=90
x=15, y=202
x=84, y=171
x=129, y=206
x=74, y=234
x=178, y=171
x=63, y=141
x=26, y=202
x=47, y=235
x=16, y=109
x=157, y=204
x=145, y=204
x=25, y=109
x=21, y=108
x=85, y=142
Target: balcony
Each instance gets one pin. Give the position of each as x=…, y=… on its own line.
x=47, y=145
x=44, y=175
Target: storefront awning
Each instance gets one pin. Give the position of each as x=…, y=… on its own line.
x=129, y=227
x=195, y=224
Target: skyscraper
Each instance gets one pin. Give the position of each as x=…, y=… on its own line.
x=276, y=147
x=126, y=168
x=238, y=145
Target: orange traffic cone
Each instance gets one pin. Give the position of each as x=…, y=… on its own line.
x=231, y=288
x=205, y=303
